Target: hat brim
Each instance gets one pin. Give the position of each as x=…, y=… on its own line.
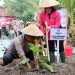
x=32, y=30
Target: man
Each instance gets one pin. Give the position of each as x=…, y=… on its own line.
x=19, y=46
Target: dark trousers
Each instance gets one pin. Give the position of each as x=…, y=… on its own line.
x=10, y=56
x=52, y=45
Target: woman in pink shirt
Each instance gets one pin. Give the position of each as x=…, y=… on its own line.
x=51, y=17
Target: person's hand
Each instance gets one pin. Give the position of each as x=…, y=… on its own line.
x=48, y=28
x=23, y=57
x=28, y=64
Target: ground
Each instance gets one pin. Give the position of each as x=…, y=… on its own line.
x=60, y=69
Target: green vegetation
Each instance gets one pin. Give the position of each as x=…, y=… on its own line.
x=22, y=9
x=70, y=6
x=36, y=49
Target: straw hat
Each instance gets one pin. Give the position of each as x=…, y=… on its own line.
x=32, y=30
x=48, y=3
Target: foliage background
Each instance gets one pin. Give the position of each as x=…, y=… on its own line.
x=22, y=9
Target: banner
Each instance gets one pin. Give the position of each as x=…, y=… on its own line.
x=63, y=15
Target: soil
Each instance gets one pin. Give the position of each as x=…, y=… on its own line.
x=61, y=69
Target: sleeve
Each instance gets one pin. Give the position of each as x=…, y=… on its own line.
x=41, y=23
x=57, y=20
x=10, y=47
x=19, y=48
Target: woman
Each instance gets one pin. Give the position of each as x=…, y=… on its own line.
x=51, y=18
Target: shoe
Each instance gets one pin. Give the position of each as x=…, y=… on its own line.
x=52, y=57
x=62, y=57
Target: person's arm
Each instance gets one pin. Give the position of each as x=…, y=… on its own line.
x=20, y=51
x=41, y=23
x=19, y=48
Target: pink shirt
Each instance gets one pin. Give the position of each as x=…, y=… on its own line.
x=53, y=21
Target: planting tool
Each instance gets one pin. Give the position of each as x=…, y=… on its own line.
x=47, y=43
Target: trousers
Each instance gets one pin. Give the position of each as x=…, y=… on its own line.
x=52, y=45
x=8, y=57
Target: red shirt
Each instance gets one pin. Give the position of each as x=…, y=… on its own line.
x=53, y=21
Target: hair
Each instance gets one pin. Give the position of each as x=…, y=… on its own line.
x=53, y=9
x=33, y=37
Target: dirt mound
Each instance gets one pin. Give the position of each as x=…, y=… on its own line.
x=61, y=69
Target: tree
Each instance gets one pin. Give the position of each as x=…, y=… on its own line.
x=69, y=5
x=22, y=9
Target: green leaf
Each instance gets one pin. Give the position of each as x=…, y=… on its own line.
x=31, y=45
x=35, y=48
x=48, y=67
x=44, y=59
x=24, y=61
x=38, y=46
